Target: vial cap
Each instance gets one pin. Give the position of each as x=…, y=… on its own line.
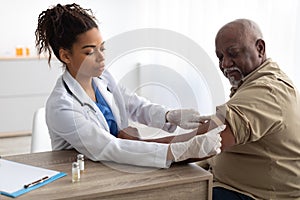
x=75, y=164
x=80, y=156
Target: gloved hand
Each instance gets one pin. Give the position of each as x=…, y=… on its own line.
x=185, y=118
x=199, y=146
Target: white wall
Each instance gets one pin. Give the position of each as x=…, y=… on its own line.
x=198, y=20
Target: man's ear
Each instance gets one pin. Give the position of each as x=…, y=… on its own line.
x=64, y=55
x=260, y=46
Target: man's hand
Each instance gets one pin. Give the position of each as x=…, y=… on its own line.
x=129, y=133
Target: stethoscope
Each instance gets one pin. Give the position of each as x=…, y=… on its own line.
x=83, y=104
x=77, y=99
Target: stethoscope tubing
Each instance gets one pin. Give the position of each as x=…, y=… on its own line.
x=75, y=97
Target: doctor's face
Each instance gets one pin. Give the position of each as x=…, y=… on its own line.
x=86, y=58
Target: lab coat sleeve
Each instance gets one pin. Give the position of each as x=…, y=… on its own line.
x=69, y=127
x=143, y=111
x=137, y=108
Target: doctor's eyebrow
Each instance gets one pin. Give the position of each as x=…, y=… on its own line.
x=92, y=46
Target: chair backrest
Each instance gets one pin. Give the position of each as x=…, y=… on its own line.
x=40, y=139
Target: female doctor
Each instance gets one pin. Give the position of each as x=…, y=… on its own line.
x=87, y=109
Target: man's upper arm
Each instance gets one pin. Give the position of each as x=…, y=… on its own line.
x=228, y=138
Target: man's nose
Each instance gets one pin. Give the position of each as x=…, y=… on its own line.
x=226, y=62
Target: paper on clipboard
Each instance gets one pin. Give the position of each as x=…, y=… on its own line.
x=13, y=177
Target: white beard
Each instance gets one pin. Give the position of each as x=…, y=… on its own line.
x=234, y=82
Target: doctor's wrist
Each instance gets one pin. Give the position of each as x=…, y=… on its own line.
x=170, y=156
x=129, y=133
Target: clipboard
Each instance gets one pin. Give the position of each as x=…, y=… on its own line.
x=17, y=178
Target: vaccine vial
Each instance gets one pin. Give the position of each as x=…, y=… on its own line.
x=80, y=160
x=75, y=172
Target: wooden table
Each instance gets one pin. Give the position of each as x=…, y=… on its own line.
x=112, y=181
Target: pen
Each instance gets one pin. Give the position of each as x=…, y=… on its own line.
x=36, y=182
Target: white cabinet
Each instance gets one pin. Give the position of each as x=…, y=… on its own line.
x=25, y=84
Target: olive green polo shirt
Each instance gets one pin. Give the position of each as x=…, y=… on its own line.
x=264, y=116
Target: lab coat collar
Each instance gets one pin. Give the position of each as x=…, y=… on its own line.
x=102, y=84
x=79, y=92
x=76, y=89
x=106, y=91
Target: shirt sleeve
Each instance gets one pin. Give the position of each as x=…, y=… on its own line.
x=253, y=112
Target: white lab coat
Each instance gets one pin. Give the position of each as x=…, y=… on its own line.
x=72, y=125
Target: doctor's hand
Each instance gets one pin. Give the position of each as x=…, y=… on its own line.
x=129, y=133
x=200, y=146
x=185, y=118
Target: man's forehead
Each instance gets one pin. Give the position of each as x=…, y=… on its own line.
x=231, y=33
x=227, y=35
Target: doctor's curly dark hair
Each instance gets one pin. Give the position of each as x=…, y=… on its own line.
x=59, y=26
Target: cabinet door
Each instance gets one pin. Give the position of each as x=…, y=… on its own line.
x=25, y=85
